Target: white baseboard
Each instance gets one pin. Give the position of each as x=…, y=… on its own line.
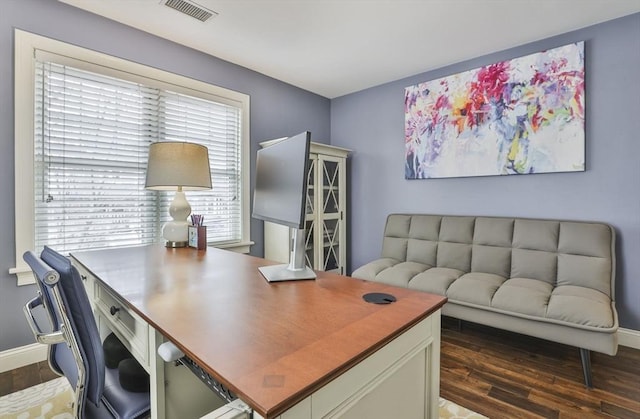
x=21, y=356
x=629, y=337
x=30, y=354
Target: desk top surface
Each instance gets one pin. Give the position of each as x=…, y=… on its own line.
x=273, y=344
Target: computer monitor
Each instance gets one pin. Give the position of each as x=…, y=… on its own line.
x=280, y=197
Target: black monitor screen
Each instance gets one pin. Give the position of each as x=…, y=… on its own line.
x=281, y=181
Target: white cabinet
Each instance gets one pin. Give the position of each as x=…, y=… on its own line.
x=325, y=226
x=400, y=380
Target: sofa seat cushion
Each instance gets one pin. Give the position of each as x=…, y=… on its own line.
x=435, y=280
x=401, y=273
x=371, y=269
x=582, y=306
x=523, y=295
x=475, y=288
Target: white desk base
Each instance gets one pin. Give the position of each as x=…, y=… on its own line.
x=400, y=380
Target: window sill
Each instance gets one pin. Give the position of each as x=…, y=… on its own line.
x=240, y=247
x=25, y=276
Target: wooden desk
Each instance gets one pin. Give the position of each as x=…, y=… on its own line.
x=276, y=345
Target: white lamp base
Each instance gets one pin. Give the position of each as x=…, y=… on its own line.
x=176, y=231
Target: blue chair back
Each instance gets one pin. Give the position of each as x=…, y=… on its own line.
x=76, y=315
x=82, y=321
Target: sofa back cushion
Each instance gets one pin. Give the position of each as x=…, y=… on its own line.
x=424, y=231
x=396, y=237
x=492, y=246
x=585, y=255
x=556, y=252
x=535, y=244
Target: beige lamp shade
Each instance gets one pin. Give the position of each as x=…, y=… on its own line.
x=176, y=165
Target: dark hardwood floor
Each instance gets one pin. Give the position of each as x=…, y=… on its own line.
x=500, y=375
x=21, y=378
x=506, y=375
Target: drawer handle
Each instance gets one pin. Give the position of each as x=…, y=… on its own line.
x=113, y=310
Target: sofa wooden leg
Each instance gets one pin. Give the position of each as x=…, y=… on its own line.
x=585, y=357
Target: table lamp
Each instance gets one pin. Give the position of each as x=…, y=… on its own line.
x=178, y=166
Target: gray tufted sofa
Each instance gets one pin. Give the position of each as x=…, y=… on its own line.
x=548, y=279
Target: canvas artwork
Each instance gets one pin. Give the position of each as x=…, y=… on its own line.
x=520, y=116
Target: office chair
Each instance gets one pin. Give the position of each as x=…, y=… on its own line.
x=75, y=349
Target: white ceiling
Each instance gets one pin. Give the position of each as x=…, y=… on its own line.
x=336, y=47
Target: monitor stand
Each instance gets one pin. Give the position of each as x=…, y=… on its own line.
x=297, y=268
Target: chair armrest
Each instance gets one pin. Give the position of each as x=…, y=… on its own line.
x=41, y=337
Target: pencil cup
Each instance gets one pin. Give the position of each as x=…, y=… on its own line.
x=198, y=237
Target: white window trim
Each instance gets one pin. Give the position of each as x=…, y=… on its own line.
x=26, y=45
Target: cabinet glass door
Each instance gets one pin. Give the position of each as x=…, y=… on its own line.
x=331, y=245
x=310, y=210
x=331, y=186
x=330, y=214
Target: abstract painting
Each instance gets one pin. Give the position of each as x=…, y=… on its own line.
x=520, y=116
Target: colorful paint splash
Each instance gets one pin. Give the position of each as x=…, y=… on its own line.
x=520, y=116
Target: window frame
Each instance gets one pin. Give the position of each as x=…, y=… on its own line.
x=27, y=45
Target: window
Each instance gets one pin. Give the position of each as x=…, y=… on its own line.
x=84, y=122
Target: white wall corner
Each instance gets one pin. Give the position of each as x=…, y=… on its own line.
x=629, y=337
x=21, y=356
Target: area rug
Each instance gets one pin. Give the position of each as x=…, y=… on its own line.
x=450, y=410
x=53, y=400
x=50, y=400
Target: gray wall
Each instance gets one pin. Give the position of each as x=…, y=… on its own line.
x=371, y=123
x=277, y=109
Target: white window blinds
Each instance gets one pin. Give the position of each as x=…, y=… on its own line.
x=217, y=126
x=92, y=134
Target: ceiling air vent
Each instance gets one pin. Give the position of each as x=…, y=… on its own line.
x=190, y=9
